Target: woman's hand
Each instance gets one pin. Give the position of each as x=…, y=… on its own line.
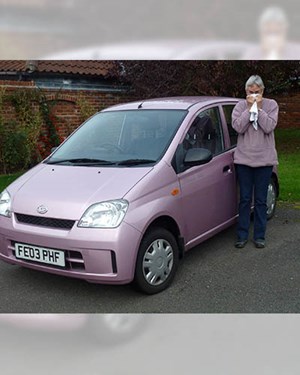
x=250, y=100
x=259, y=101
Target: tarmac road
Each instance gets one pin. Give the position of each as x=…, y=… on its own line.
x=213, y=278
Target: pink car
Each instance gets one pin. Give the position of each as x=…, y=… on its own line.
x=127, y=194
x=109, y=328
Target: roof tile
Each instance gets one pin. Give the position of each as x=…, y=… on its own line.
x=83, y=67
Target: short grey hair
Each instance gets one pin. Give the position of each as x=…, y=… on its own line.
x=254, y=80
x=273, y=14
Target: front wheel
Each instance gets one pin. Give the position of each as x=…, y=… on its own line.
x=157, y=261
x=271, y=199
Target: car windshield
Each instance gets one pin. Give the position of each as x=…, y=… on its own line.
x=127, y=138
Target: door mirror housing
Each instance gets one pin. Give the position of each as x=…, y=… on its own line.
x=197, y=156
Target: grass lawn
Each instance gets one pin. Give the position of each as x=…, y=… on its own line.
x=288, y=147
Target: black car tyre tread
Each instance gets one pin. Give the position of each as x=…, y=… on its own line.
x=151, y=236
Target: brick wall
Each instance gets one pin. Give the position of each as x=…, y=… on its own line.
x=289, y=110
x=71, y=107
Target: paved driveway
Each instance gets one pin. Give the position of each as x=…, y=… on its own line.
x=213, y=278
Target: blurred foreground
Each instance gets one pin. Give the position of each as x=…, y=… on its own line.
x=149, y=30
x=170, y=344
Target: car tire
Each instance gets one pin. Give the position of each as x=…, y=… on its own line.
x=271, y=199
x=115, y=328
x=157, y=261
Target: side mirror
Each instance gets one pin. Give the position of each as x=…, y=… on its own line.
x=197, y=156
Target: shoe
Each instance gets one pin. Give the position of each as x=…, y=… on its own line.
x=240, y=244
x=259, y=243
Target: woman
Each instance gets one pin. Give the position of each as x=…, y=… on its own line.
x=254, y=119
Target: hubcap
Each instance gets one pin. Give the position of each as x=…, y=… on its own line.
x=271, y=198
x=158, y=262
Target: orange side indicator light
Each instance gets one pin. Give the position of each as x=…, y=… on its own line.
x=175, y=192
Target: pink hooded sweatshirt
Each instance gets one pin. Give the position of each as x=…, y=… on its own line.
x=255, y=148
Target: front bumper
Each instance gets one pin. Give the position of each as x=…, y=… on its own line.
x=105, y=256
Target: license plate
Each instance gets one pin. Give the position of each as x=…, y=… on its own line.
x=40, y=254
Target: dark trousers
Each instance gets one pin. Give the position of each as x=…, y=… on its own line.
x=253, y=180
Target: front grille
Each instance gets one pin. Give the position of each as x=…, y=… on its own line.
x=74, y=259
x=45, y=221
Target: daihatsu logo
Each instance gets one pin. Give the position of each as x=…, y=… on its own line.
x=42, y=209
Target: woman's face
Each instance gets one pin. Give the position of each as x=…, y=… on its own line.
x=254, y=89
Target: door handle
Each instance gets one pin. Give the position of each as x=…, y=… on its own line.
x=227, y=169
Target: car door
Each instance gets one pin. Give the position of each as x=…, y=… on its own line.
x=208, y=191
x=230, y=141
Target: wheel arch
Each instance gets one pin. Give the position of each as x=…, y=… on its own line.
x=168, y=223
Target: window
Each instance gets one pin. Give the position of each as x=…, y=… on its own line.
x=232, y=133
x=116, y=136
x=206, y=132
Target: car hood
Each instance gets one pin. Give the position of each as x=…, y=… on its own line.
x=67, y=191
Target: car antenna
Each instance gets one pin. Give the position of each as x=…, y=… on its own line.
x=140, y=105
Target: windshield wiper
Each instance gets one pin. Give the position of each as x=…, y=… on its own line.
x=82, y=161
x=136, y=162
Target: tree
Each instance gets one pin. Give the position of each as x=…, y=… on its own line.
x=154, y=78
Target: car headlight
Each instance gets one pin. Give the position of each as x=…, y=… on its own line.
x=5, y=204
x=104, y=215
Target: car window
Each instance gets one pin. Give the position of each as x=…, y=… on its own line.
x=118, y=136
x=228, y=108
x=206, y=132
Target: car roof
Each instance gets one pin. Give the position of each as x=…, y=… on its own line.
x=177, y=102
